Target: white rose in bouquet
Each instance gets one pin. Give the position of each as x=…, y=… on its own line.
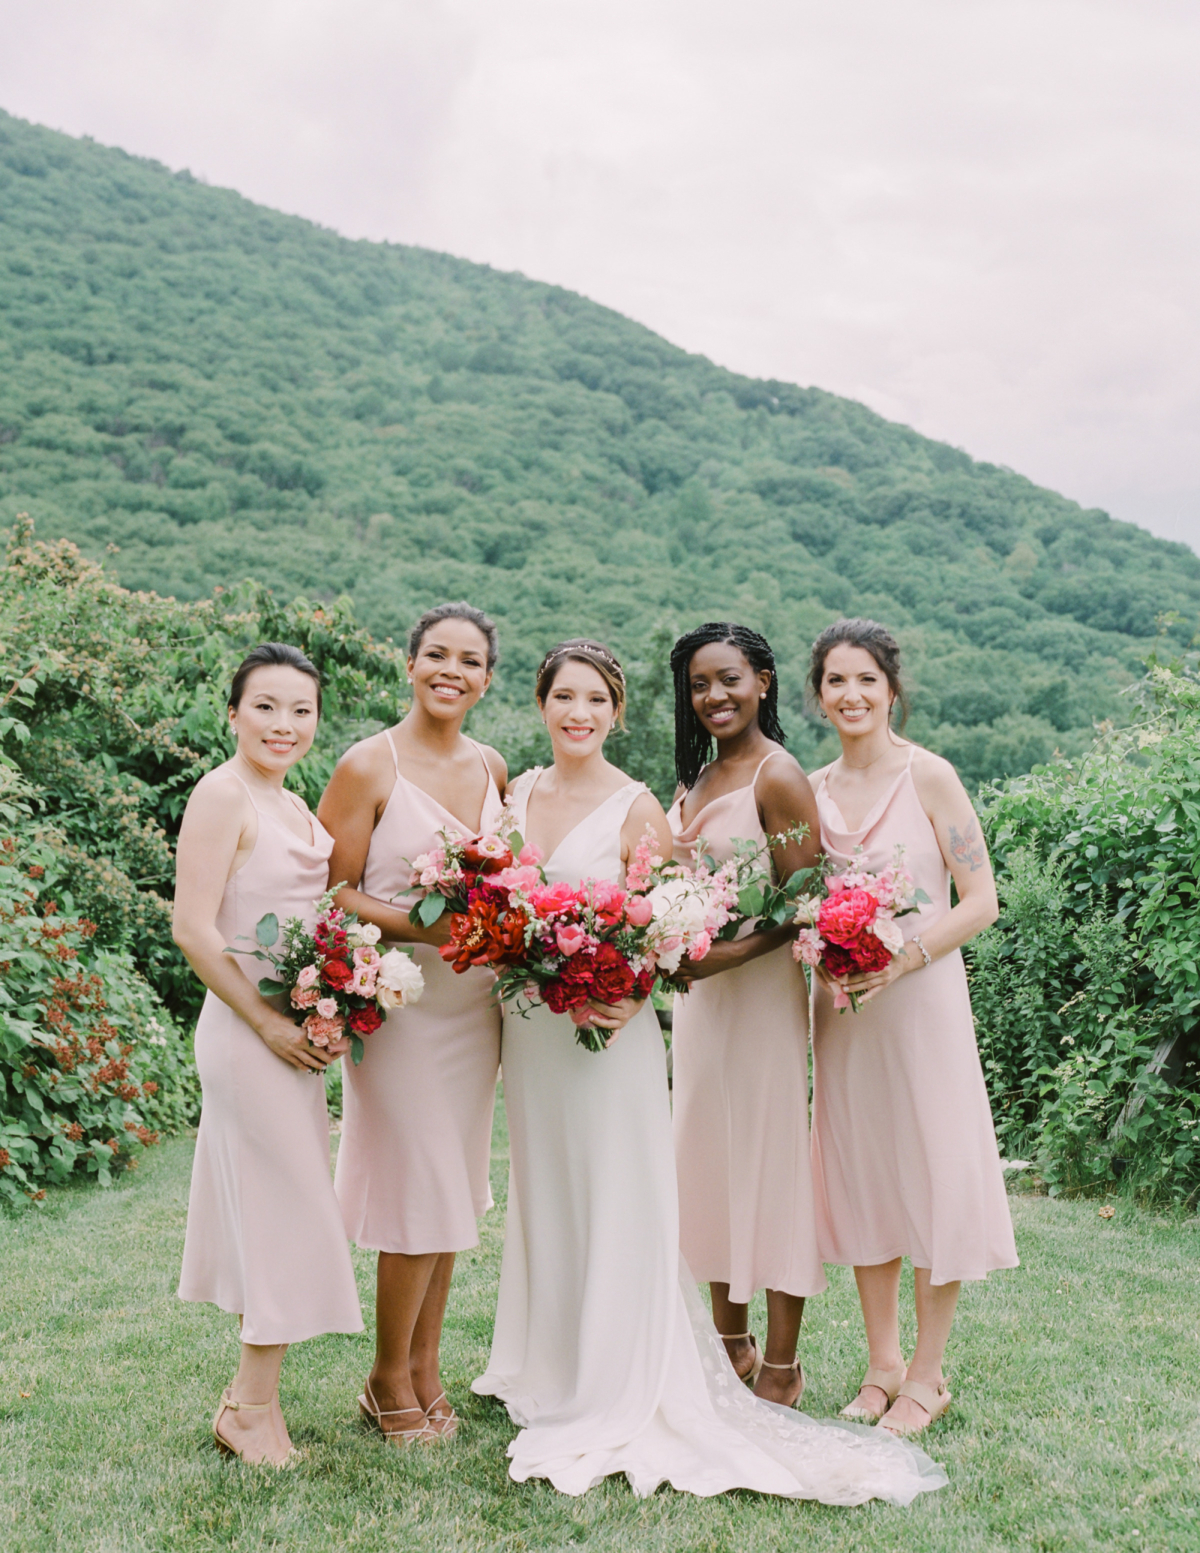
x=680, y=913
x=363, y=935
x=887, y=930
x=398, y=979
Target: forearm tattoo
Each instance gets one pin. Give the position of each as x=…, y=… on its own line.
x=967, y=846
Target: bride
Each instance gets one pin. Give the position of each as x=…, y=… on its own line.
x=602, y=1351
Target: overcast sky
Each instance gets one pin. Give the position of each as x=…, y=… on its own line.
x=980, y=217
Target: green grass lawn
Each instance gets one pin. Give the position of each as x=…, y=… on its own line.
x=1075, y=1423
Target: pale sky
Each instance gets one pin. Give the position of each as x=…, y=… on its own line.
x=980, y=217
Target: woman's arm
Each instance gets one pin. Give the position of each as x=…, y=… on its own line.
x=349, y=810
x=219, y=817
x=786, y=801
x=960, y=839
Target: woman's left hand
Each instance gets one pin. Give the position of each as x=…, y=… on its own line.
x=608, y=1016
x=724, y=955
x=870, y=985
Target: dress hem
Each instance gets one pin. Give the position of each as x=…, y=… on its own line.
x=268, y=1340
x=938, y=1277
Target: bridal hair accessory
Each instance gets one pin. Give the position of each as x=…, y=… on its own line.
x=586, y=650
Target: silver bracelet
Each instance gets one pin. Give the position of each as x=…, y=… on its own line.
x=925, y=954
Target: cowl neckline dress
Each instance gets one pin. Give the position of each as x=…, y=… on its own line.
x=602, y=1351
x=740, y=1069
x=905, y=1161
x=264, y=1236
x=415, y=1155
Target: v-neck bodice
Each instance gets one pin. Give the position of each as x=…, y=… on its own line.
x=897, y=817
x=409, y=825
x=592, y=848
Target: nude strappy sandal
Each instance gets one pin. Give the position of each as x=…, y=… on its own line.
x=755, y=1369
x=449, y=1422
x=887, y=1381
x=798, y=1368
x=935, y=1401
x=225, y=1447
x=420, y=1434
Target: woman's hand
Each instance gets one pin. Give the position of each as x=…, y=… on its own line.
x=437, y=934
x=608, y=1016
x=289, y=1042
x=872, y=983
x=724, y=955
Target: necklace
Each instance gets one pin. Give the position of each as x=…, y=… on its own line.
x=869, y=763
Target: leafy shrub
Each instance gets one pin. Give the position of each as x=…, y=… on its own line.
x=92, y=1068
x=1087, y=991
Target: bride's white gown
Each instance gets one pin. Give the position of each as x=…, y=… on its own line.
x=603, y=1351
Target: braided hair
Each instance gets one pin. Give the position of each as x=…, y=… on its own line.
x=693, y=743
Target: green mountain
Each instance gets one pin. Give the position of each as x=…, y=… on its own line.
x=222, y=392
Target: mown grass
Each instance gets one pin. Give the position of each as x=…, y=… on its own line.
x=1075, y=1425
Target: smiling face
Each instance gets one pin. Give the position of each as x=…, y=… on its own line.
x=450, y=672
x=578, y=709
x=855, y=694
x=726, y=689
x=275, y=722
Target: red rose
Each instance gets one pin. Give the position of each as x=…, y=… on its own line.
x=844, y=916
x=563, y=994
x=336, y=974
x=644, y=985
x=365, y=1021
x=868, y=954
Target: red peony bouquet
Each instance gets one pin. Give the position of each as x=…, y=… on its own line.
x=567, y=946
x=852, y=929
x=337, y=983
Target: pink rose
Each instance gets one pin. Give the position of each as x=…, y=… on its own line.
x=570, y=939
x=845, y=916
x=551, y=898
x=638, y=910
x=524, y=879
x=368, y=955
x=529, y=856
x=701, y=944
x=305, y=997
x=607, y=900
x=308, y=976
x=326, y=1008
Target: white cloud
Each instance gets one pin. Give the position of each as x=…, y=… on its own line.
x=978, y=216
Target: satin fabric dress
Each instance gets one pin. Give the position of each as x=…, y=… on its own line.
x=904, y=1150
x=264, y=1236
x=740, y=1067
x=603, y=1352
x=413, y=1165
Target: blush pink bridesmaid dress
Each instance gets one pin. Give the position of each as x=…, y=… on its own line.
x=413, y=1166
x=740, y=1054
x=264, y=1236
x=904, y=1151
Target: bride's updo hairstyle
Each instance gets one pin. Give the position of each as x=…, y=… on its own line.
x=596, y=656
x=872, y=638
x=693, y=743
x=457, y=611
x=268, y=656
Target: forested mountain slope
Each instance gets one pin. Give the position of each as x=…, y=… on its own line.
x=222, y=391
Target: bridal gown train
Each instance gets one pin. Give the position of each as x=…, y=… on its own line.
x=603, y=1352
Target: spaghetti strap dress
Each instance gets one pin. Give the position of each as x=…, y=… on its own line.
x=603, y=1352
x=413, y=1165
x=740, y=1069
x=905, y=1161
x=264, y=1236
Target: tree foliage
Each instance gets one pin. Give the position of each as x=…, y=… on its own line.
x=223, y=392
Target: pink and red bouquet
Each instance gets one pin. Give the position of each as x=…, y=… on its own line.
x=570, y=946
x=337, y=983
x=451, y=869
x=852, y=929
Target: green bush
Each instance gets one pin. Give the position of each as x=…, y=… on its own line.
x=92, y=1068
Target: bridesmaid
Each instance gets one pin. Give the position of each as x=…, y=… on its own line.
x=264, y=1235
x=412, y=1169
x=904, y=1151
x=740, y=1038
